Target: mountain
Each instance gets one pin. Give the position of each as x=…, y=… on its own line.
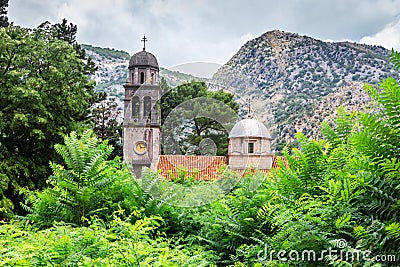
x=113, y=69
x=294, y=82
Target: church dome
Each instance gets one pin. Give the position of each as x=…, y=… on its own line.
x=143, y=58
x=249, y=128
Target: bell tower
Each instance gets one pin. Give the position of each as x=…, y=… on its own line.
x=141, y=127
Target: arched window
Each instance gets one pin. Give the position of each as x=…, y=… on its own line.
x=152, y=78
x=135, y=107
x=142, y=77
x=147, y=108
x=133, y=78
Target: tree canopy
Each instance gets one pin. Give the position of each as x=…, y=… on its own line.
x=107, y=125
x=45, y=93
x=199, y=129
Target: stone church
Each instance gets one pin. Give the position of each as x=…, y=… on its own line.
x=249, y=140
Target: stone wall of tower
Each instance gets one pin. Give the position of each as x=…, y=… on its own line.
x=150, y=76
x=239, y=145
x=140, y=93
x=133, y=135
x=240, y=158
x=240, y=162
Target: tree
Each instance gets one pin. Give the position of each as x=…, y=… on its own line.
x=107, y=125
x=198, y=130
x=67, y=32
x=3, y=13
x=45, y=93
x=76, y=189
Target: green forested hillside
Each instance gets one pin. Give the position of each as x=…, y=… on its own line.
x=107, y=52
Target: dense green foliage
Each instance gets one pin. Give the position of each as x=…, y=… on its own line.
x=199, y=128
x=332, y=202
x=120, y=244
x=340, y=194
x=45, y=93
x=121, y=224
x=89, y=184
x=78, y=190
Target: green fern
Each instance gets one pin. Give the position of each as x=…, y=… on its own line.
x=78, y=186
x=393, y=231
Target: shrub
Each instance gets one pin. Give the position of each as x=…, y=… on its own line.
x=122, y=244
x=88, y=184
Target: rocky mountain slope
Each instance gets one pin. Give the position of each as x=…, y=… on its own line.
x=294, y=82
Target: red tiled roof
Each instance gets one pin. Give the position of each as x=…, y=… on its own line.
x=201, y=167
x=275, y=162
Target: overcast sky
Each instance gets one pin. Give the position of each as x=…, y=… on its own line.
x=181, y=31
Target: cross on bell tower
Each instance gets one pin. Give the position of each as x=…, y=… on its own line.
x=144, y=40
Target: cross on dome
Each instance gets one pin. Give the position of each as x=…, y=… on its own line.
x=249, y=112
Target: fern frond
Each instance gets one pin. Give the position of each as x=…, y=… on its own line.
x=393, y=231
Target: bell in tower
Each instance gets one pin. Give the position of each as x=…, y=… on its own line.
x=141, y=127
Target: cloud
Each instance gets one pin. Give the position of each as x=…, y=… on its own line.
x=32, y=13
x=389, y=37
x=206, y=30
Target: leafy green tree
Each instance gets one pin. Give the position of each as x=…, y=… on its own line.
x=77, y=189
x=199, y=128
x=164, y=85
x=44, y=94
x=3, y=13
x=67, y=32
x=107, y=125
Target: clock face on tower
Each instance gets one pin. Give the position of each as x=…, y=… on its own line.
x=140, y=147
